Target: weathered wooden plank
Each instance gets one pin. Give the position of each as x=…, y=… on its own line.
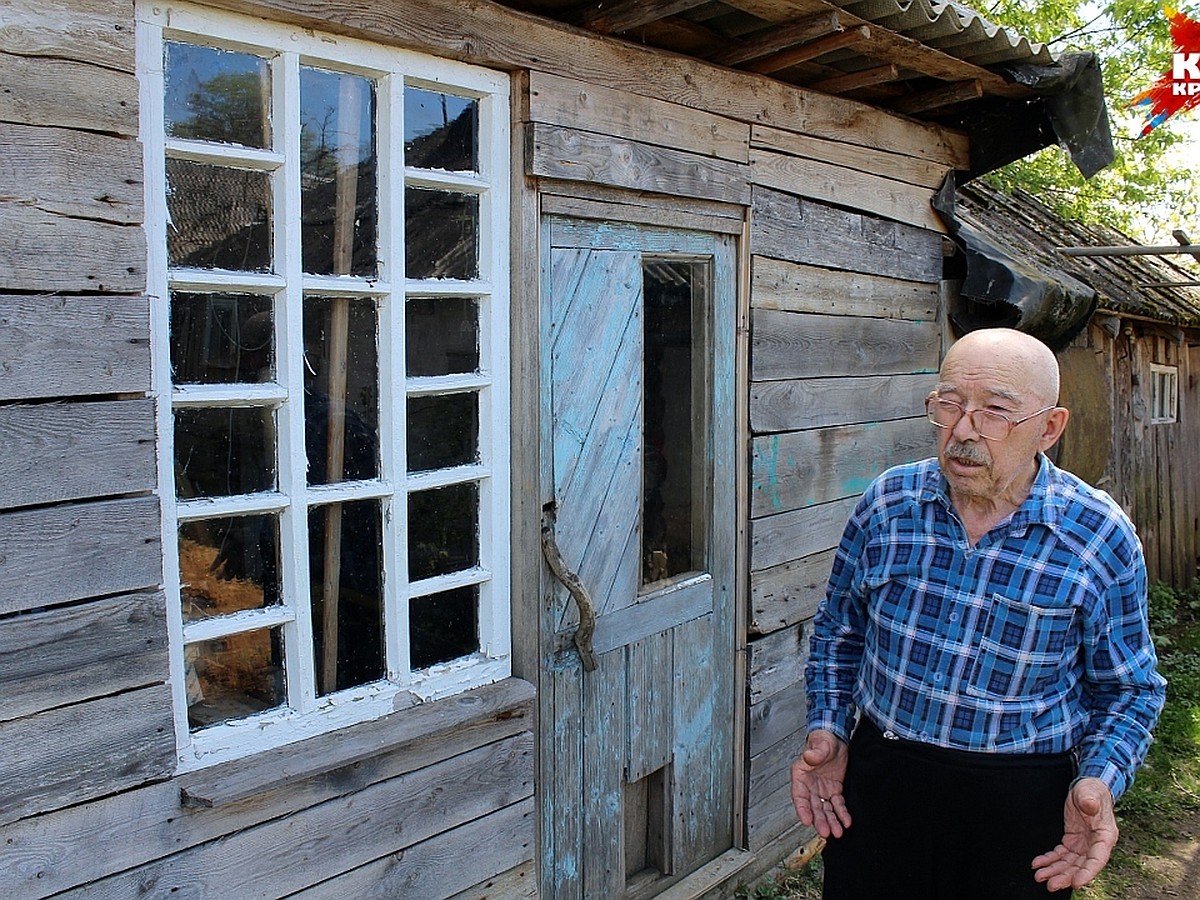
x=649, y=702
x=803, y=468
x=799, y=533
x=777, y=661
x=61, y=553
x=604, y=742
x=799, y=345
x=87, y=750
x=53, y=346
x=92, y=31
x=584, y=235
x=57, y=851
x=477, y=853
x=805, y=231
x=491, y=35
x=895, y=166
x=771, y=817
x=697, y=207
x=88, y=255
x=821, y=402
x=275, y=858
x=71, y=173
x=777, y=716
x=63, y=93
x=561, y=777
x=81, y=652
x=776, y=284
x=788, y=593
x=578, y=155
x=60, y=452
x=855, y=188
x=770, y=769
x=641, y=620
x=608, y=210
x=569, y=103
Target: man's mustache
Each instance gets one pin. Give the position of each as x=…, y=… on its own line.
x=968, y=453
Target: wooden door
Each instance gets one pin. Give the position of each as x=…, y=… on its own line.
x=639, y=476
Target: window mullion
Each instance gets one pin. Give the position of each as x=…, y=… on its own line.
x=289, y=333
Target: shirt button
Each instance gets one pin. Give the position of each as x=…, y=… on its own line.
x=953, y=617
x=937, y=678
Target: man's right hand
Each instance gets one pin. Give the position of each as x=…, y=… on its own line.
x=817, y=778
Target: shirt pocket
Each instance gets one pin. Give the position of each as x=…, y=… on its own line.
x=1022, y=651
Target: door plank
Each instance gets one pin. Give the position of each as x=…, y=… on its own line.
x=650, y=700
x=604, y=786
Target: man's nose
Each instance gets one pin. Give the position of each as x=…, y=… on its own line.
x=964, y=429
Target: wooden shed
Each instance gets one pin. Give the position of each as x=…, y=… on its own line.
x=424, y=426
x=1131, y=372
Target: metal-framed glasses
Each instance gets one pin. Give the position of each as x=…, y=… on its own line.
x=988, y=424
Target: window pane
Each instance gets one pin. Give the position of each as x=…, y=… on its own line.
x=341, y=399
x=337, y=173
x=440, y=131
x=224, y=451
x=441, y=234
x=443, y=431
x=228, y=565
x=220, y=218
x=443, y=626
x=216, y=95
x=443, y=530
x=674, y=421
x=234, y=676
x=442, y=336
x=221, y=338
x=346, y=569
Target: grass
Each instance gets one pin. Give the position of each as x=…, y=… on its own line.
x=1167, y=789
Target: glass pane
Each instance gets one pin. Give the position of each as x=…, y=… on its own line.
x=440, y=131
x=443, y=626
x=443, y=531
x=341, y=390
x=235, y=676
x=441, y=234
x=218, y=218
x=345, y=565
x=228, y=565
x=442, y=336
x=221, y=338
x=217, y=95
x=443, y=431
x=337, y=173
x=675, y=421
x=224, y=451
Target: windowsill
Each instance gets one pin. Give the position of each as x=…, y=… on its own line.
x=251, y=776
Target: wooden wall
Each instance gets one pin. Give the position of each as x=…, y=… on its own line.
x=1150, y=469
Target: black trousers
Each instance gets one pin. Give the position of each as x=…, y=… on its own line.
x=935, y=824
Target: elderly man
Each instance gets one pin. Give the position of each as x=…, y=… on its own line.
x=985, y=624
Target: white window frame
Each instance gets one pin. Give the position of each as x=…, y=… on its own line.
x=306, y=714
x=1164, y=394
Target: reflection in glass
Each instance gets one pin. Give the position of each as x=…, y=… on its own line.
x=346, y=569
x=443, y=431
x=221, y=338
x=228, y=565
x=443, y=530
x=223, y=451
x=234, y=676
x=441, y=234
x=440, y=131
x=218, y=218
x=337, y=173
x=443, y=626
x=216, y=95
x=441, y=336
x=675, y=420
x=341, y=389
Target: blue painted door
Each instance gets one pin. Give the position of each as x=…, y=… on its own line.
x=639, y=476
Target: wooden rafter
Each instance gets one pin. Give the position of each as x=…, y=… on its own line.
x=632, y=13
x=841, y=84
x=777, y=38
x=939, y=97
x=787, y=58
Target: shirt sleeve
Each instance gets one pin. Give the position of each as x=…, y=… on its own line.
x=1125, y=690
x=836, y=647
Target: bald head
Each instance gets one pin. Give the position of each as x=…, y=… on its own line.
x=1014, y=359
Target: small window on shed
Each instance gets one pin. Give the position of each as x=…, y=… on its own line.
x=1164, y=394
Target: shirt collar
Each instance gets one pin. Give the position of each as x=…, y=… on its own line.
x=1043, y=506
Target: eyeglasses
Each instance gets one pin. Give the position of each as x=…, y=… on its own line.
x=989, y=425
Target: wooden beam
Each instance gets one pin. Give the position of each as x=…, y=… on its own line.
x=777, y=38
x=632, y=13
x=840, y=84
x=1133, y=250
x=1184, y=241
x=946, y=95
x=787, y=58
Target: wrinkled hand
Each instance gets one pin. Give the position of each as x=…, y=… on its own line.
x=1089, y=835
x=817, y=778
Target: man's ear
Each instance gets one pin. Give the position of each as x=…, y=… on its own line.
x=1056, y=424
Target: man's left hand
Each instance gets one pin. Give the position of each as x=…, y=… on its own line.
x=1089, y=835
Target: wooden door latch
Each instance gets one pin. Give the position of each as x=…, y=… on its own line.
x=583, y=600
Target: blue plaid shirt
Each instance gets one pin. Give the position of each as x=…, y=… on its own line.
x=1035, y=640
